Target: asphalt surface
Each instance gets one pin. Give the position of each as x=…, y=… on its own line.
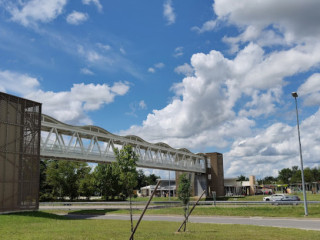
x=306, y=224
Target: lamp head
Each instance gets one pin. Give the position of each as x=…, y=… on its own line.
x=294, y=94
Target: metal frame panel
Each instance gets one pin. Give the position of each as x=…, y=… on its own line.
x=20, y=129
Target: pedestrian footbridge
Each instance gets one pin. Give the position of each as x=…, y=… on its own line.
x=94, y=144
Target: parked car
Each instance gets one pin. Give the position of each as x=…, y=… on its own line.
x=274, y=197
x=281, y=197
x=290, y=198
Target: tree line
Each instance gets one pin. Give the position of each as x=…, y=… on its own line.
x=61, y=179
x=289, y=176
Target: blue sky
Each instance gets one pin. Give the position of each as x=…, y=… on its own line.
x=204, y=75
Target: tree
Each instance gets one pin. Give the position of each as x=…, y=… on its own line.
x=126, y=166
x=242, y=178
x=45, y=190
x=141, y=178
x=269, y=180
x=107, y=180
x=86, y=183
x=184, y=192
x=64, y=177
x=285, y=175
x=152, y=179
x=144, y=180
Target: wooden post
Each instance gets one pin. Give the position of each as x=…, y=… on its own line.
x=144, y=210
x=186, y=219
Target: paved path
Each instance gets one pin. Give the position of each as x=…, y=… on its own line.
x=307, y=224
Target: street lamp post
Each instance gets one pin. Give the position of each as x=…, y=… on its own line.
x=295, y=95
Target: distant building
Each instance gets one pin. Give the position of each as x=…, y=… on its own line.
x=166, y=188
x=233, y=187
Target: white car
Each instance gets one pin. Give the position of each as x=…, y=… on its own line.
x=274, y=197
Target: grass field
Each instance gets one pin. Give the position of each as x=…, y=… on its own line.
x=41, y=225
x=247, y=211
x=310, y=197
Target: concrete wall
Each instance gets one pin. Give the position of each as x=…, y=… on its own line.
x=213, y=180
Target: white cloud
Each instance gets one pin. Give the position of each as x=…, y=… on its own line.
x=93, y=56
x=178, y=52
x=76, y=18
x=17, y=82
x=310, y=90
x=184, y=69
x=86, y=71
x=219, y=102
x=271, y=22
x=312, y=85
x=151, y=69
x=34, y=11
x=275, y=148
x=262, y=103
x=77, y=102
x=142, y=104
x=207, y=26
x=95, y=2
x=168, y=12
x=155, y=67
x=159, y=65
x=120, y=88
x=104, y=47
x=81, y=99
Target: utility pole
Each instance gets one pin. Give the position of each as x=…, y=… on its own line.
x=295, y=95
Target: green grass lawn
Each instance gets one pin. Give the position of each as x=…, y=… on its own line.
x=310, y=197
x=41, y=225
x=228, y=210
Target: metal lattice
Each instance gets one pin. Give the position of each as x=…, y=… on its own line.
x=94, y=144
x=20, y=129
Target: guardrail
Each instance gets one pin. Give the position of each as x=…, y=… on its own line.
x=177, y=203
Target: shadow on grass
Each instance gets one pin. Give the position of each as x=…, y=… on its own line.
x=40, y=214
x=93, y=212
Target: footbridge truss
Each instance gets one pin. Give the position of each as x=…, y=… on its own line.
x=94, y=144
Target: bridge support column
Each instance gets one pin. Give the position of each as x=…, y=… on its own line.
x=198, y=182
x=215, y=175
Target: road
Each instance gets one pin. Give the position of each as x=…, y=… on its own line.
x=306, y=224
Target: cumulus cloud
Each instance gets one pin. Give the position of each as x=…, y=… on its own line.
x=76, y=18
x=184, y=69
x=31, y=12
x=207, y=26
x=81, y=99
x=77, y=102
x=271, y=22
x=168, y=12
x=221, y=99
x=275, y=148
x=310, y=90
x=17, y=82
x=95, y=2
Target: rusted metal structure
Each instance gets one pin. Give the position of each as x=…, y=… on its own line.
x=20, y=129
